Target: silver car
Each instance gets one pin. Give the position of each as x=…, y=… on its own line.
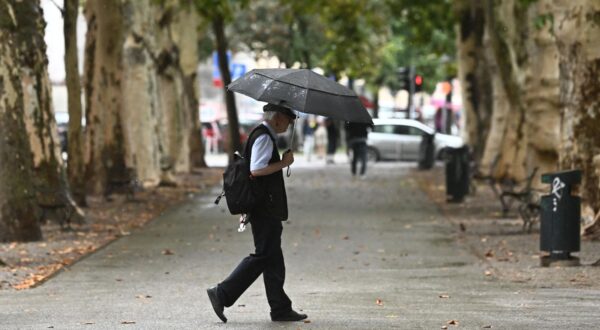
x=400, y=139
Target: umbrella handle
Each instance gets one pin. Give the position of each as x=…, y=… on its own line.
x=289, y=170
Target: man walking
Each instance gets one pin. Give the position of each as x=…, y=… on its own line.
x=265, y=220
x=357, y=140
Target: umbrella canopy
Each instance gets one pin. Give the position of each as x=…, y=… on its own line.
x=302, y=90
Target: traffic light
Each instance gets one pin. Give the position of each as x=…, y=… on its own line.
x=404, y=77
x=418, y=83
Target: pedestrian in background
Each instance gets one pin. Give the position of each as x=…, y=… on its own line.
x=308, y=131
x=265, y=220
x=357, y=141
x=332, y=137
x=320, y=139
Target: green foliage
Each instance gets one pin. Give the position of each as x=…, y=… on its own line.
x=367, y=39
x=355, y=31
x=280, y=28
x=223, y=8
x=526, y=3
x=422, y=36
x=542, y=20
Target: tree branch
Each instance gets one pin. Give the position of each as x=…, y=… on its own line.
x=61, y=9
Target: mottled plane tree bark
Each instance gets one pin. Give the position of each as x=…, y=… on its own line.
x=141, y=108
x=505, y=150
x=177, y=62
x=103, y=79
x=577, y=29
x=474, y=73
x=75, y=162
x=50, y=178
x=541, y=93
x=18, y=205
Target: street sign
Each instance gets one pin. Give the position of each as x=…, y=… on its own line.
x=236, y=69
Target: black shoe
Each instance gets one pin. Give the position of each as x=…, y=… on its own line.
x=290, y=316
x=216, y=303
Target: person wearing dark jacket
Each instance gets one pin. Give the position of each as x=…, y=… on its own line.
x=357, y=140
x=332, y=136
x=265, y=166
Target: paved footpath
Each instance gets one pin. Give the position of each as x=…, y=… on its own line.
x=360, y=254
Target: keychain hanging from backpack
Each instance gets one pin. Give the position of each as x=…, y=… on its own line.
x=243, y=222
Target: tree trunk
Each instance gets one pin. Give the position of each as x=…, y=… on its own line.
x=196, y=144
x=177, y=72
x=506, y=144
x=376, y=102
x=18, y=206
x=577, y=31
x=105, y=143
x=474, y=73
x=75, y=163
x=141, y=106
x=232, y=118
x=542, y=93
x=174, y=120
x=50, y=178
x=187, y=38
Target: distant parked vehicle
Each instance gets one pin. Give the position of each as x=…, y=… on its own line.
x=400, y=139
x=62, y=125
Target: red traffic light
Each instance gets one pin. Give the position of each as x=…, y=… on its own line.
x=418, y=80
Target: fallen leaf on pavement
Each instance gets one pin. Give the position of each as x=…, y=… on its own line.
x=444, y=296
x=489, y=254
x=379, y=302
x=488, y=273
x=346, y=237
x=444, y=327
x=487, y=326
x=452, y=322
x=128, y=322
x=306, y=321
x=168, y=252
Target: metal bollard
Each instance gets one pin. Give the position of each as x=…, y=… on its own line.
x=560, y=219
x=426, y=152
x=457, y=174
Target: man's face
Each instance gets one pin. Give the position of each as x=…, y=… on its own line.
x=283, y=122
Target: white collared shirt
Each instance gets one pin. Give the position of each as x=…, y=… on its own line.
x=262, y=150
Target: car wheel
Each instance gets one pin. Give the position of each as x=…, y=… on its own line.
x=372, y=155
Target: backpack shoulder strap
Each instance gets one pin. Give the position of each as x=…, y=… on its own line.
x=257, y=131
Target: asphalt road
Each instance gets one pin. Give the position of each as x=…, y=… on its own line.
x=360, y=254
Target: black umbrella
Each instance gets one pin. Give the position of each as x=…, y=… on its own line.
x=302, y=90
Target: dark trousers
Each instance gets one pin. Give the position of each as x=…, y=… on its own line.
x=267, y=260
x=359, y=153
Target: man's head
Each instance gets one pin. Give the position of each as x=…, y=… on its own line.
x=278, y=117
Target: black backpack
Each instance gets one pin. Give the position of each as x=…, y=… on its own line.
x=241, y=190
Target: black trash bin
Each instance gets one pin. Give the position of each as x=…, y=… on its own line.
x=560, y=219
x=426, y=152
x=457, y=173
